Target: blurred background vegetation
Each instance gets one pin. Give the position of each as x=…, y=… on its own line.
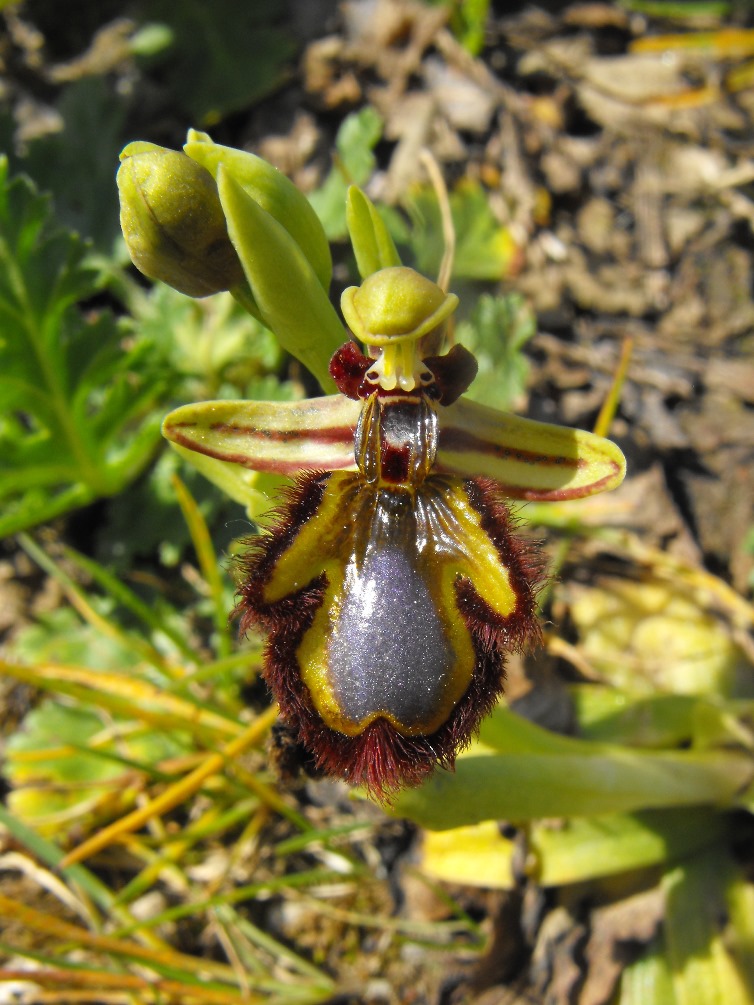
x=595, y=845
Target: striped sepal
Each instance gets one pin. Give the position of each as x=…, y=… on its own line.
x=283, y=437
x=531, y=460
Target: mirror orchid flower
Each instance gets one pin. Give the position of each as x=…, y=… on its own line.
x=392, y=582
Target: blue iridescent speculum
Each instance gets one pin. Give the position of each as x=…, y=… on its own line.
x=392, y=583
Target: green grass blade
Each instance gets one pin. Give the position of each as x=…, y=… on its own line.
x=207, y=556
x=127, y=598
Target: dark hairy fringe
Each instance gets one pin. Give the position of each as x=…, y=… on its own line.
x=381, y=758
x=298, y=504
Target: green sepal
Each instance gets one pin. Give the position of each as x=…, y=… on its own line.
x=531, y=460
x=395, y=304
x=271, y=190
x=136, y=147
x=238, y=483
x=372, y=244
x=290, y=298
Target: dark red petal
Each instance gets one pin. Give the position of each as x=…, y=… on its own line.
x=347, y=369
x=453, y=373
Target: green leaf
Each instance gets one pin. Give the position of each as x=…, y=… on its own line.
x=49, y=727
x=496, y=334
x=59, y=636
x=484, y=248
x=467, y=20
x=685, y=11
x=739, y=901
x=72, y=780
x=79, y=419
x=213, y=346
x=648, y=981
x=519, y=771
x=585, y=848
x=93, y=115
x=606, y=714
x=225, y=55
x=657, y=634
x=354, y=164
x=122, y=541
x=749, y=547
x=710, y=956
x=571, y=851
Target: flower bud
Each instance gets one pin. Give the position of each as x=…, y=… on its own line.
x=273, y=192
x=173, y=222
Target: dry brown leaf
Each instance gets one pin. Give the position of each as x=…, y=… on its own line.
x=556, y=969
x=616, y=929
x=464, y=103
x=109, y=49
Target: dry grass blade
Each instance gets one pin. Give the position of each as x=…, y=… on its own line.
x=205, y=552
x=611, y=402
x=448, y=229
x=175, y=794
x=102, y=987
x=124, y=694
x=158, y=960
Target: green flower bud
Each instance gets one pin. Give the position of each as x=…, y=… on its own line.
x=273, y=192
x=173, y=222
x=395, y=304
x=372, y=244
